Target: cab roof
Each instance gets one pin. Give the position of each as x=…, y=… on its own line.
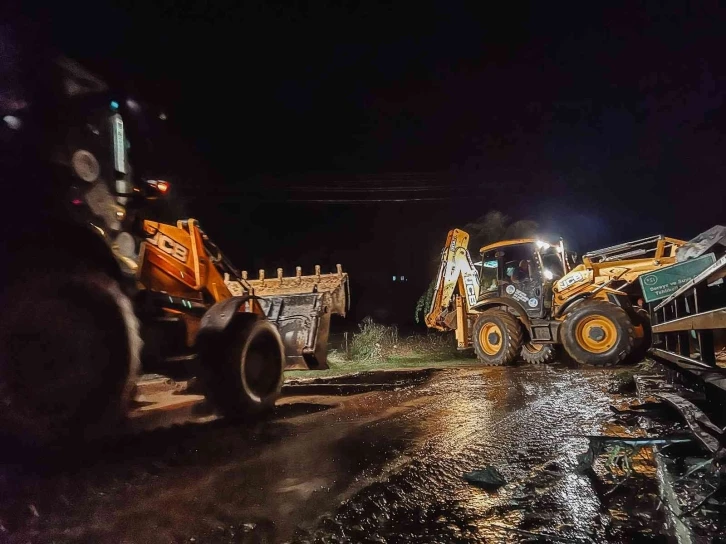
x=505, y=243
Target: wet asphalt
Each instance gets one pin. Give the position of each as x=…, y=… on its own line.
x=372, y=464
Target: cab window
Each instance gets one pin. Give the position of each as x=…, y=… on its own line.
x=488, y=272
x=520, y=263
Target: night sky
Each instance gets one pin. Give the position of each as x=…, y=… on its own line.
x=601, y=123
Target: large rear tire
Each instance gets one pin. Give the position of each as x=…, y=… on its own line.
x=243, y=370
x=598, y=333
x=537, y=354
x=497, y=337
x=69, y=355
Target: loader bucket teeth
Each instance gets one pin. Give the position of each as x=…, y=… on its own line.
x=301, y=307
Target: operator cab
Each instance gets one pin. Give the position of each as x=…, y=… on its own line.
x=523, y=270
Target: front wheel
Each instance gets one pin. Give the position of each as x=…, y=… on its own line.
x=243, y=370
x=598, y=333
x=497, y=337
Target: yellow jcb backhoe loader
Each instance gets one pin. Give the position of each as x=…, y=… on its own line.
x=530, y=295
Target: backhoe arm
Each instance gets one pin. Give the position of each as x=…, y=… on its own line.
x=456, y=269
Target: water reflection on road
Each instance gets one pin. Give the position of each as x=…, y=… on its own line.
x=528, y=422
x=383, y=466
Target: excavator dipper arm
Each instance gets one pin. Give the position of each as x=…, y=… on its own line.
x=456, y=269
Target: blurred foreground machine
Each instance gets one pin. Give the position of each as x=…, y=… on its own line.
x=106, y=310
x=529, y=296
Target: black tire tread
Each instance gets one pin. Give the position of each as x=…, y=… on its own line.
x=640, y=350
x=513, y=329
x=100, y=410
x=220, y=370
x=544, y=356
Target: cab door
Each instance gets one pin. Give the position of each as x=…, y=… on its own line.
x=521, y=277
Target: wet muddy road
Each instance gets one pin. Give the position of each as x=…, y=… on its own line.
x=377, y=466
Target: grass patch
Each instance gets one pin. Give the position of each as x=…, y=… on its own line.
x=623, y=382
x=378, y=343
x=378, y=346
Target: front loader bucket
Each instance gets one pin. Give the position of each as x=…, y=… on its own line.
x=301, y=307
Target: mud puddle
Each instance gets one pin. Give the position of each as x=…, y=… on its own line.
x=382, y=466
x=212, y=482
x=358, y=382
x=528, y=423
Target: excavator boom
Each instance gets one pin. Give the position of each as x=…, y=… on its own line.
x=456, y=269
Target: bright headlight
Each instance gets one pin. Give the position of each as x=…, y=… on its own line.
x=548, y=275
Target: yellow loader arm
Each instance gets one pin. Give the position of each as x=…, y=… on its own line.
x=614, y=269
x=456, y=269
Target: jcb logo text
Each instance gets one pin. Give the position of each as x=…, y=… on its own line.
x=169, y=246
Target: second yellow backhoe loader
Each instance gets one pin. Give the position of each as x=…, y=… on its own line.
x=530, y=296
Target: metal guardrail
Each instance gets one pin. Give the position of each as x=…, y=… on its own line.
x=692, y=311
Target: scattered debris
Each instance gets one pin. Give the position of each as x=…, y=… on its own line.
x=707, y=433
x=631, y=414
x=487, y=478
x=692, y=488
x=648, y=384
x=719, y=491
x=695, y=468
x=641, y=408
x=618, y=446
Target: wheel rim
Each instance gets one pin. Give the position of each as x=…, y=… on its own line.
x=490, y=338
x=262, y=366
x=596, y=334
